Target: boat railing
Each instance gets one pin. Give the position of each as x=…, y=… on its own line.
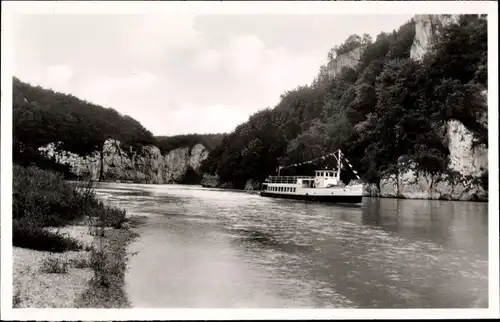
x=286, y=179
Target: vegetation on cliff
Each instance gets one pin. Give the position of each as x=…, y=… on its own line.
x=168, y=143
x=385, y=107
x=42, y=116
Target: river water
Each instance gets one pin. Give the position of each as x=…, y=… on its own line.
x=210, y=248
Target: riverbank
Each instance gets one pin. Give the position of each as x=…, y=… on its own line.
x=69, y=247
x=92, y=277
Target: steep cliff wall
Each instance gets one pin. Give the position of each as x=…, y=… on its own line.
x=467, y=164
x=427, y=27
x=349, y=59
x=146, y=166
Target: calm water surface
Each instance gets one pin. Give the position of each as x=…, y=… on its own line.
x=211, y=248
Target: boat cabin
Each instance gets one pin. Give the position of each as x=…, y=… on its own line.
x=325, y=178
x=321, y=179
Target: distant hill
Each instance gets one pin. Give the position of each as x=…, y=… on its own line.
x=168, y=143
x=64, y=133
x=42, y=116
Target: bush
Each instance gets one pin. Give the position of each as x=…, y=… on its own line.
x=79, y=262
x=98, y=263
x=54, y=265
x=42, y=198
x=27, y=235
x=45, y=198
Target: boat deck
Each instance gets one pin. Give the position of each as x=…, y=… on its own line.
x=286, y=179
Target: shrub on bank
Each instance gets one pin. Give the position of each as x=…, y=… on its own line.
x=55, y=266
x=27, y=235
x=42, y=198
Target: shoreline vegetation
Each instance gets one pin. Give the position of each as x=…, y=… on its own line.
x=69, y=248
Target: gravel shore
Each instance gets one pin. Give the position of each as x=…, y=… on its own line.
x=34, y=287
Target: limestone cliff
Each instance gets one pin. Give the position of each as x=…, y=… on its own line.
x=145, y=166
x=348, y=60
x=427, y=27
x=467, y=164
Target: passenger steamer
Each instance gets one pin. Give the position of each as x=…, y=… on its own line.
x=324, y=186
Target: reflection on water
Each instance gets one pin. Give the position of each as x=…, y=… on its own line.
x=215, y=248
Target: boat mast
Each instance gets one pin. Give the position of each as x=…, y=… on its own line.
x=340, y=166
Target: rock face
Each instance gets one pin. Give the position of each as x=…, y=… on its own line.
x=370, y=190
x=210, y=181
x=252, y=185
x=467, y=163
x=349, y=60
x=426, y=27
x=146, y=166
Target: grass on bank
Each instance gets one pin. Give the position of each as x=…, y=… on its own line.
x=42, y=200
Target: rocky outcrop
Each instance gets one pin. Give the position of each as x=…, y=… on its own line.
x=468, y=162
x=370, y=190
x=210, y=181
x=347, y=60
x=145, y=166
x=426, y=28
x=252, y=185
x=466, y=158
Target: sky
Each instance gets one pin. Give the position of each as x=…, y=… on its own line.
x=183, y=73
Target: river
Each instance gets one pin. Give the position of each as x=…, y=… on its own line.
x=210, y=248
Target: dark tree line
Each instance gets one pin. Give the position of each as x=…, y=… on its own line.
x=168, y=143
x=42, y=116
x=386, y=107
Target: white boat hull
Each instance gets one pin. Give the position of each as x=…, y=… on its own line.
x=346, y=194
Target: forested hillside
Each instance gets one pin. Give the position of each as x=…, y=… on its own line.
x=169, y=143
x=111, y=143
x=385, y=107
x=42, y=116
